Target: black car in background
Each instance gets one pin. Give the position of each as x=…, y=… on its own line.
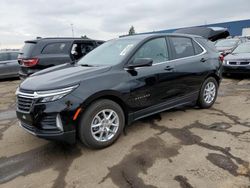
x=9, y=66
x=238, y=62
x=226, y=46
x=47, y=52
x=119, y=82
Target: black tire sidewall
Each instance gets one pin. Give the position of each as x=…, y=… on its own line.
x=84, y=130
x=201, y=101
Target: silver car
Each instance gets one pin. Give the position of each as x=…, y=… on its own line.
x=238, y=61
x=9, y=66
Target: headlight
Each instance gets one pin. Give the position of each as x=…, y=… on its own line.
x=52, y=95
x=225, y=62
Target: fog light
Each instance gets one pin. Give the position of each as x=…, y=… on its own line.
x=59, y=122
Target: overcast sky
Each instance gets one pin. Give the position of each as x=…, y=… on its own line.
x=106, y=19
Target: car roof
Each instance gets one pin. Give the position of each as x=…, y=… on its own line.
x=59, y=39
x=147, y=36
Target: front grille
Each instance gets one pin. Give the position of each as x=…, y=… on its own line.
x=238, y=63
x=48, y=122
x=24, y=104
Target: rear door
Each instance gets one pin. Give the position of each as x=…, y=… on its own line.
x=189, y=59
x=3, y=64
x=13, y=66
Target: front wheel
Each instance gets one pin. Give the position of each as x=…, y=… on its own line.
x=101, y=124
x=208, y=93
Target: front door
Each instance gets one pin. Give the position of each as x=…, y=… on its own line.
x=151, y=86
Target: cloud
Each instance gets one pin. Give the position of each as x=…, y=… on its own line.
x=24, y=19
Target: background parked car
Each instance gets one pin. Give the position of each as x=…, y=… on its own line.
x=226, y=46
x=47, y=52
x=9, y=66
x=238, y=61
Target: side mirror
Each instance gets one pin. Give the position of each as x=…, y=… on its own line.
x=140, y=62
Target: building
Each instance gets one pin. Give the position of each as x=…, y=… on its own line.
x=234, y=27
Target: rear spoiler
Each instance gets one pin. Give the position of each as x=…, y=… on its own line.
x=211, y=33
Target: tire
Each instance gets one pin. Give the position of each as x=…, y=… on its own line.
x=95, y=131
x=207, y=95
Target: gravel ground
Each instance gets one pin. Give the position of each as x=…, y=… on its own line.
x=184, y=147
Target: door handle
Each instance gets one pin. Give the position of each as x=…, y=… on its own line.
x=169, y=68
x=203, y=60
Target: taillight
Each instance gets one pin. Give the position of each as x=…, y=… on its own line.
x=29, y=62
x=221, y=58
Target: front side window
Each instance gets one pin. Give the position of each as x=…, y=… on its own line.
x=181, y=47
x=55, y=48
x=155, y=49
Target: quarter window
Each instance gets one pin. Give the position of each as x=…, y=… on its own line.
x=155, y=49
x=55, y=48
x=181, y=47
x=197, y=48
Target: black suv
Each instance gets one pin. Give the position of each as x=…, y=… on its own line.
x=46, y=52
x=119, y=82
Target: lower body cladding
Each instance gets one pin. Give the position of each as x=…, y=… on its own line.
x=52, y=120
x=236, y=69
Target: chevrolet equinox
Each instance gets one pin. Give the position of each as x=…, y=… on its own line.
x=119, y=82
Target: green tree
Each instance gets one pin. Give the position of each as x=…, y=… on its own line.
x=131, y=31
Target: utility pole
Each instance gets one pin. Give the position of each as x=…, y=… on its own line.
x=72, y=29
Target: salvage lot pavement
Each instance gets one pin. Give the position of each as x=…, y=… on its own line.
x=184, y=147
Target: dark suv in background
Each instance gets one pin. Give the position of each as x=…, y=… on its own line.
x=46, y=52
x=119, y=82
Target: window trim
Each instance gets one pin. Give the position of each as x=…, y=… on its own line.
x=196, y=55
x=170, y=53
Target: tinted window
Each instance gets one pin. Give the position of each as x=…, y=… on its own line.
x=13, y=55
x=155, y=49
x=197, y=48
x=182, y=47
x=4, y=56
x=55, y=48
x=27, y=48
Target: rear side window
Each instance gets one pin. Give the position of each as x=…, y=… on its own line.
x=27, y=48
x=155, y=49
x=181, y=47
x=4, y=56
x=55, y=48
x=13, y=55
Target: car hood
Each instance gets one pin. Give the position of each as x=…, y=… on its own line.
x=241, y=56
x=60, y=76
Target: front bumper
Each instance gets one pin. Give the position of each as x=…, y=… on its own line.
x=69, y=137
x=51, y=120
x=236, y=69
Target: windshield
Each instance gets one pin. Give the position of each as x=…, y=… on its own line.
x=226, y=43
x=243, y=48
x=109, y=53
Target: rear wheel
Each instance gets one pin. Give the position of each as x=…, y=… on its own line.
x=101, y=124
x=208, y=93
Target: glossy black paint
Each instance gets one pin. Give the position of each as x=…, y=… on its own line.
x=140, y=91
